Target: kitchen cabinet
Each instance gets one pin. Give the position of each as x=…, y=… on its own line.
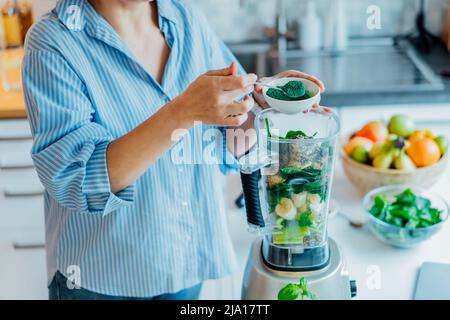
x=22, y=253
x=22, y=272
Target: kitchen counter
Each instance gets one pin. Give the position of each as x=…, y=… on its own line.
x=381, y=271
x=12, y=105
x=369, y=259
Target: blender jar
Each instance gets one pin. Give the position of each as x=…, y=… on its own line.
x=293, y=167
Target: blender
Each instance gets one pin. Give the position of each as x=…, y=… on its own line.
x=286, y=180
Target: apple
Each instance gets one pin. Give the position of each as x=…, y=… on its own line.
x=360, y=154
x=375, y=131
x=401, y=125
x=442, y=143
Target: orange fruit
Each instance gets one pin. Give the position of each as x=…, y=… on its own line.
x=356, y=142
x=375, y=131
x=424, y=152
x=420, y=134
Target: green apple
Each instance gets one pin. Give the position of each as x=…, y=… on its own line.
x=360, y=154
x=401, y=125
x=443, y=143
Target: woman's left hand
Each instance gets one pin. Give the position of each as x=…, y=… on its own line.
x=259, y=98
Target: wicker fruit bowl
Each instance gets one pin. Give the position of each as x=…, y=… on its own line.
x=366, y=178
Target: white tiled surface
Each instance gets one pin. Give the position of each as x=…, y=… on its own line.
x=252, y=15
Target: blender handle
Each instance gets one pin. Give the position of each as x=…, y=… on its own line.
x=250, y=185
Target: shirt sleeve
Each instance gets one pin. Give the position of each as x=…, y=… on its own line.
x=220, y=56
x=69, y=148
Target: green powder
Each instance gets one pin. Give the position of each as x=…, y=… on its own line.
x=294, y=89
x=291, y=91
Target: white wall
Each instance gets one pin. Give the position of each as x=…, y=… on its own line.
x=41, y=7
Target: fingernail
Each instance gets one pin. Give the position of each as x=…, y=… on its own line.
x=234, y=68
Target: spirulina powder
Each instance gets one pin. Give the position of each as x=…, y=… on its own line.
x=291, y=91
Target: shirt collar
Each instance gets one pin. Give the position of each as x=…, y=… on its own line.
x=77, y=15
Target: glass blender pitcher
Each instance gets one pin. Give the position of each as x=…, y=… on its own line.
x=287, y=182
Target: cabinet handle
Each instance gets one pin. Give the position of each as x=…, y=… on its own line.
x=21, y=194
x=17, y=138
x=16, y=166
x=28, y=246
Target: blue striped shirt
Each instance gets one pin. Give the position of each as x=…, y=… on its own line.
x=84, y=88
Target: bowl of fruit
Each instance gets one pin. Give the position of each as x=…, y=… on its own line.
x=396, y=153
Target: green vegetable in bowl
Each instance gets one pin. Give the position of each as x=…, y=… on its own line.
x=407, y=210
x=291, y=91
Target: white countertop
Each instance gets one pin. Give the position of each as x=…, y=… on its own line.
x=381, y=271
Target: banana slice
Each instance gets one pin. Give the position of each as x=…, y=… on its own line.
x=299, y=199
x=286, y=209
x=316, y=209
x=313, y=198
x=303, y=208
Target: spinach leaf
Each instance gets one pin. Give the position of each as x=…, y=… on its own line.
x=406, y=211
x=306, y=219
x=407, y=197
x=299, y=134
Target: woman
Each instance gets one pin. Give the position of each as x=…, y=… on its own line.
x=107, y=84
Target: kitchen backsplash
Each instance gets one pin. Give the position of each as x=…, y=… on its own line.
x=239, y=20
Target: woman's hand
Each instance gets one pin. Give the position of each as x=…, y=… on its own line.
x=259, y=98
x=212, y=98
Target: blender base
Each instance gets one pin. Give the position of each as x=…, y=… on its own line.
x=330, y=283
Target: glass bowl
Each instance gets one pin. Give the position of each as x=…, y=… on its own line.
x=403, y=237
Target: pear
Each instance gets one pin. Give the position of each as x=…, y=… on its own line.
x=383, y=160
x=403, y=162
x=286, y=209
x=376, y=149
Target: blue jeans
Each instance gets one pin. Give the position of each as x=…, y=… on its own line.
x=58, y=291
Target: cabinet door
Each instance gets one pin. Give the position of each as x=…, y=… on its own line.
x=21, y=206
x=22, y=273
x=14, y=129
x=15, y=154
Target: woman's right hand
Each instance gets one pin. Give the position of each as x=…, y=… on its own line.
x=213, y=98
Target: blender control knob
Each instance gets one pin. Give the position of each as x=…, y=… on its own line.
x=353, y=288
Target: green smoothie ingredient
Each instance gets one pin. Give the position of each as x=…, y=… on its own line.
x=291, y=91
x=293, y=290
x=291, y=135
x=406, y=210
